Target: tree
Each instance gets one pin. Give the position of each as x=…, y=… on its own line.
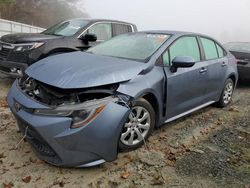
x=41, y=13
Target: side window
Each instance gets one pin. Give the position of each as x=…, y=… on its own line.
x=220, y=51
x=209, y=48
x=103, y=31
x=185, y=46
x=165, y=59
x=119, y=29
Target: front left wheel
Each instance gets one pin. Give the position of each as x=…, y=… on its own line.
x=227, y=94
x=139, y=125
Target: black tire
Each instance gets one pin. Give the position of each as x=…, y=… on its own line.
x=145, y=105
x=222, y=102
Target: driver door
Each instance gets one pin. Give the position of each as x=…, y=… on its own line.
x=185, y=88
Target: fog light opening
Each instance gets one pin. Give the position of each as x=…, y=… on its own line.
x=16, y=70
x=19, y=71
x=13, y=70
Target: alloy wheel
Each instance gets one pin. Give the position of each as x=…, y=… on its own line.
x=137, y=126
x=228, y=92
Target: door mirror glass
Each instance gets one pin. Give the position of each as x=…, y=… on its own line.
x=182, y=62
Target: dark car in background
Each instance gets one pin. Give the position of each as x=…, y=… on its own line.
x=241, y=50
x=18, y=51
x=79, y=109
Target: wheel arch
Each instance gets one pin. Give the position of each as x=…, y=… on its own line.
x=152, y=99
x=234, y=78
x=58, y=50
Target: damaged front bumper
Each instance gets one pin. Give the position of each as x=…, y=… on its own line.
x=55, y=142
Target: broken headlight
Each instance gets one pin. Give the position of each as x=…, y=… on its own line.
x=81, y=114
x=81, y=118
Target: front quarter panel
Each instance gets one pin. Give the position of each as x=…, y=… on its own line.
x=148, y=83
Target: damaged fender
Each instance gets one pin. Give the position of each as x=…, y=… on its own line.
x=143, y=85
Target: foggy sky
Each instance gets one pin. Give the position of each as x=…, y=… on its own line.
x=226, y=20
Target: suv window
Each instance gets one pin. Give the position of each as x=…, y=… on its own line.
x=121, y=29
x=220, y=51
x=185, y=46
x=209, y=48
x=68, y=28
x=103, y=31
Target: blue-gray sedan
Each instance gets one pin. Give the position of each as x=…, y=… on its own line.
x=79, y=109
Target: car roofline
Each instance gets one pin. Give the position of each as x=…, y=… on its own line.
x=179, y=34
x=93, y=20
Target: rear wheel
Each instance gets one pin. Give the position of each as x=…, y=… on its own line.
x=138, y=127
x=226, y=96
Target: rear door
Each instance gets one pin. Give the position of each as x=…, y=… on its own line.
x=217, y=64
x=186, y=87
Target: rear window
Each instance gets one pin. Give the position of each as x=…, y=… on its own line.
x=210, y=49
x=121, y=29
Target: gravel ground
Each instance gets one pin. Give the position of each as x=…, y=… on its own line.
x=209, y=148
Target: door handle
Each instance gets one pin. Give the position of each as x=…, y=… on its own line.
x=203, y=69
x=223, y=64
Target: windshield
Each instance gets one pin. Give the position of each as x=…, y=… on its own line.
x=68, y=28
x=238, y=46
x=138, y=46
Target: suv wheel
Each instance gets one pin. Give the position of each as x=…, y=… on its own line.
x=226, y=96
x=139, y=125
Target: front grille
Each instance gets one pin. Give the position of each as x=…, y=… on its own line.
x=5, y=49
x=4, y=69
x=4, y=53
x=39, y=144
x=36, y=141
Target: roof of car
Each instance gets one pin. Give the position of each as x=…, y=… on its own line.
x=92, y=20
x=179, y=33
x=170, y=32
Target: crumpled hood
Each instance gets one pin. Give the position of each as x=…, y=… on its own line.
x=27, y=38
x=82, y=70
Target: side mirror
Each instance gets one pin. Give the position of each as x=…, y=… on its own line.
x=89, y=38
x=182, y=62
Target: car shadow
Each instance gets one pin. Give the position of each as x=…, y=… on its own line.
x=5, y=84
x=243, y=84
x=7, y=78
